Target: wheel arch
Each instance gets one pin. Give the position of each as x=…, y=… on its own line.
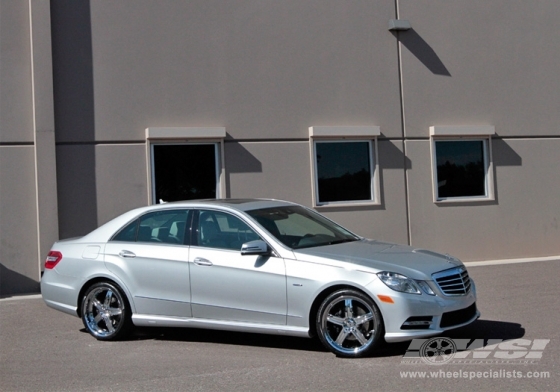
x=324, y=294
x=98, y=279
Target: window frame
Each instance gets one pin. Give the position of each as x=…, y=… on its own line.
x=186, y=136
x=344, y=134
x=482, y=134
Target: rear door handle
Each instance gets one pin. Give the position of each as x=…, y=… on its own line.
x=126, y=254
x=201, y=261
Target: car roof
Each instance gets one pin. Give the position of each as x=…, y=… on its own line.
x=105, y=231
x=236, y=204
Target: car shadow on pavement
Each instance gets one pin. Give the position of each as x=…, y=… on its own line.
x=226, y=337
x=488, y=329
x=480, y=329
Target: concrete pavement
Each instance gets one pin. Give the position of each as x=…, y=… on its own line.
x=44, y=350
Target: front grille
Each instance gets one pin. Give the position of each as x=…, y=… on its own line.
x=454, y=281
x=458, y=317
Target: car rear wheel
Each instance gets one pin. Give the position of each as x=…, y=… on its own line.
x=105, y=312
x=349, y=323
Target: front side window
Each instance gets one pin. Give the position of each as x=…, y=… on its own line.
x=185, y=171
x=461, y=169
x=222, y=231
x=344, y=171
x=161, y=226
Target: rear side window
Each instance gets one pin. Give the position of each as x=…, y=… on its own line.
x=127, y=234
x=161, y=226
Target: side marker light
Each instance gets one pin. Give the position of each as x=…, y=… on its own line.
x=385, y=298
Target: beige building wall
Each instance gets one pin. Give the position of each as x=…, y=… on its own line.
x=98, y=183
x=28, y=202
x=485, y=64
x=263, y=70
x=19, y=261
x=481, y=63
x=81, y=81
x=522, y=221
x=17, y=201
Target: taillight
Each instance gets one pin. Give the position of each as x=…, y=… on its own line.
x=53, y=258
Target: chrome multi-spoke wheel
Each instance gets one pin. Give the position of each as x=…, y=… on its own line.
x=105, y=312
x=349, y=323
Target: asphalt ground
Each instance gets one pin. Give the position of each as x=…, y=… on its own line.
x=44, y=350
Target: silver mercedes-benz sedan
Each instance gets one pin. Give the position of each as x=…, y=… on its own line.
x=263, y=266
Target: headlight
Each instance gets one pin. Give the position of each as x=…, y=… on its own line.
x=399, y=282
x=425, y=287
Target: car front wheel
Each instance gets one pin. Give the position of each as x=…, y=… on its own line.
x=105, y=312
x=349, y=323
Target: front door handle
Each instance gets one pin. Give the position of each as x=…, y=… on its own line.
x=126, y=254
x=201, y=261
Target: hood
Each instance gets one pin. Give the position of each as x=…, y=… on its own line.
x=381, y=256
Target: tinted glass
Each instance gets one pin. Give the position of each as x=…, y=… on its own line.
x=127, y=234
x=184, y=172
x=223, y=231
x=297, y=227
x=343, y=171
x=460, y=168
x=162, y=226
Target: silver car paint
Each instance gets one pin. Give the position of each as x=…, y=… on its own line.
x=381, y=256
x=157, y=274
x=287, y=283
x=229, y=286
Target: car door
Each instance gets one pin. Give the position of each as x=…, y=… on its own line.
x=228, y=286
x=151, y=257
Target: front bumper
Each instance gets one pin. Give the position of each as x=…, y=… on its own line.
x=437, y=313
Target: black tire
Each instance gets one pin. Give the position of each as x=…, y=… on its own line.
x=349, y=324
x=105, y=312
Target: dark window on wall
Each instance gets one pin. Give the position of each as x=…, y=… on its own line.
x=461, y=168
x=184, y=171
x=343, y=171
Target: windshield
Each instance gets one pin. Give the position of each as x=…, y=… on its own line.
x=297, y=227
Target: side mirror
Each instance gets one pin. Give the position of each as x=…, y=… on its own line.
x=257, y=247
